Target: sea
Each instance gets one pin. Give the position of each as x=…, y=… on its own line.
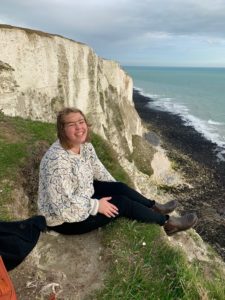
x=197, y=95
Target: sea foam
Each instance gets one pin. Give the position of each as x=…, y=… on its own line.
x=210, y=129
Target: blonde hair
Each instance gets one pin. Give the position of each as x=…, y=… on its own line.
x=60, y=125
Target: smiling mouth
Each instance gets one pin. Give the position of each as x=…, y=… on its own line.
x=80, y=134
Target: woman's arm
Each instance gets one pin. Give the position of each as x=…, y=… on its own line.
x=99, y=171
x=59, y=193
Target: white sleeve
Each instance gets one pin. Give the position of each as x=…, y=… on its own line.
x=59, y=198
x=99, y=170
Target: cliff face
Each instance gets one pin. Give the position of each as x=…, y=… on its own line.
x=41, y=73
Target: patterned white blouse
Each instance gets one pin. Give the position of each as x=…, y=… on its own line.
x=66, y=184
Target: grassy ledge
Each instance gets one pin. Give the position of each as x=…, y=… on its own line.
x=17, y=137
x=142, y=265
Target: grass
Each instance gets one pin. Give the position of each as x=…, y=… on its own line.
x=109, y=158
x=10, y=156
x=142, y=155
x=166, y=188
x=142, y=265
x=22, y=134
x=17, y=137
x=34, y=130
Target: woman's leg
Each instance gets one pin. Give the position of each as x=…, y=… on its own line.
x=107, y=189
x=135, y=210
x=91, y=223
x=119, y=188
x=127, y=208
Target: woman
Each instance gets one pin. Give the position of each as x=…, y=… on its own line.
x=77, y=194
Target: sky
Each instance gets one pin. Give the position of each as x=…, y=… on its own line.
x=131, y=32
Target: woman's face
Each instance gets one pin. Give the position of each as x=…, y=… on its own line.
x=76, y=128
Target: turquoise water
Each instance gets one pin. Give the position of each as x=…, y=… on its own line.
x=196, y=94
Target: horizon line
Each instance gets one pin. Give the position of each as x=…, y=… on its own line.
x=157, y=66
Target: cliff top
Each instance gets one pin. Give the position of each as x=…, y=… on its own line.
x=38, y=32
x=133, y=251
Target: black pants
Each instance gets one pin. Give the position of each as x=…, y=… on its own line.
x=130, y=204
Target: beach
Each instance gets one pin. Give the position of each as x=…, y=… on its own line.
x=196, y=158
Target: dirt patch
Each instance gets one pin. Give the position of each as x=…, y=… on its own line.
x=69, y=266
x=30, y=173
x=17, y=206
x=8, y=133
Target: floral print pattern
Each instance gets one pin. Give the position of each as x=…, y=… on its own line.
x=66, y=184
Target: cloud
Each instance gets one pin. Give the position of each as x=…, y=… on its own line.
x=121, y=18
x=114, y=26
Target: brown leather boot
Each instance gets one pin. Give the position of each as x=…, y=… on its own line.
x=166, y=208
x=176, y=224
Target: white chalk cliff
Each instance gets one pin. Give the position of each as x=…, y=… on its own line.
x=41, y=73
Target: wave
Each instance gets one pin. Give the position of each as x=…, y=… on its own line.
x=215, y=123
x=220, y=154
x=143, y=93
x=209, y=128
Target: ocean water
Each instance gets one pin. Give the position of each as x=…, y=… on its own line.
x=197, y=95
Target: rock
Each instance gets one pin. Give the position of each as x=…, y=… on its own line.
x=67, y=266
x=41, y=73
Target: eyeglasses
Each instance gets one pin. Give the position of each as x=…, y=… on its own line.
x=73, y=124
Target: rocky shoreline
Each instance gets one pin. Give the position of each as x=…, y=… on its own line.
x=196, y=158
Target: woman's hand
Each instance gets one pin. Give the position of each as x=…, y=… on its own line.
x=106, y=208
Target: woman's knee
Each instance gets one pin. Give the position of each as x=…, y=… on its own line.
x=122, y=187
x=121, y=202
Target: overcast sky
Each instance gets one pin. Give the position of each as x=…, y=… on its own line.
x=132, y=32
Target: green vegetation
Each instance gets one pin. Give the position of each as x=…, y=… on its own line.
x=109, y=158
x=18, y=140
x=178, y=161
x=142, y=154
x=10, y=157
x=16, y=136
x=142, y=265
x=34, y=130
x=166, y=188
